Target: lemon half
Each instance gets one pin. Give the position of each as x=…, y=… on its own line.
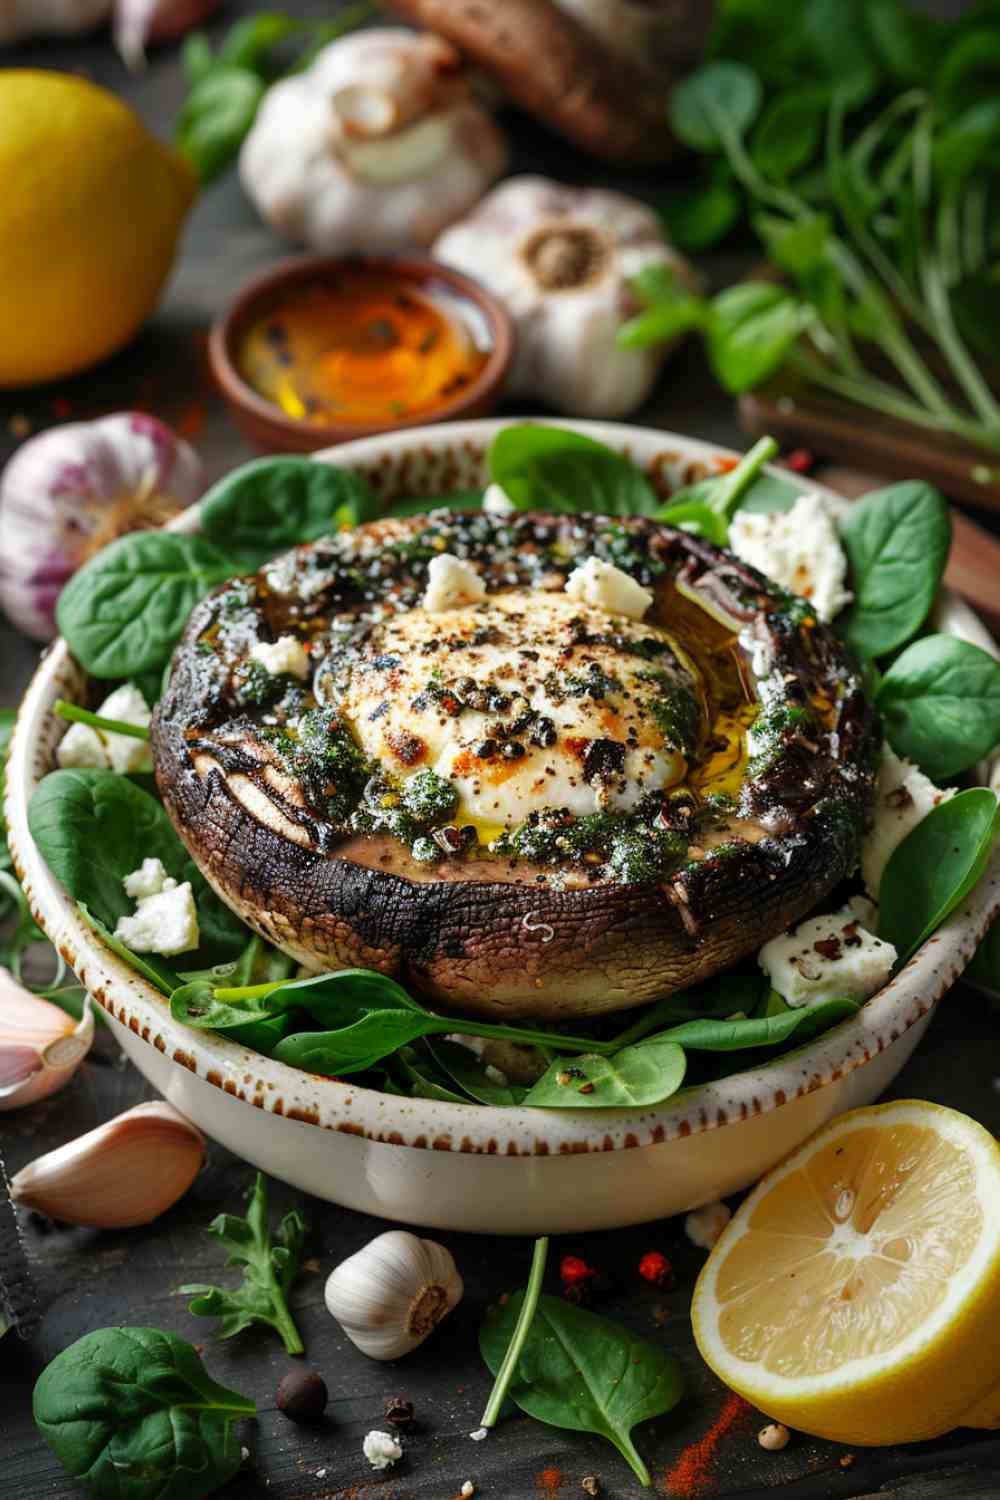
x=91, y=206
x=855, y=1295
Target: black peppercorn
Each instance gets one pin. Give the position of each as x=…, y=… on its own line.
x=302, y=1396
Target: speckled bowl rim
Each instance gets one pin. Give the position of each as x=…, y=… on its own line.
x=431, y=1124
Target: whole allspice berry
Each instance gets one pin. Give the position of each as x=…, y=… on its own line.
x=302, y=1396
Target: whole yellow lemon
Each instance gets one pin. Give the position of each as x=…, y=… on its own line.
x=91, y=206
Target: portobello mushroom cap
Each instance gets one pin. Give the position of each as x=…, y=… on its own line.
x=388, y=807
x=550, y=63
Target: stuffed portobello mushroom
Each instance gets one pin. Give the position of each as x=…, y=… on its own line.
x=532, y=765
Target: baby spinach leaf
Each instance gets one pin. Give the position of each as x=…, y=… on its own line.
x=930, y=873
x=274, y=503
x=124, y=610
x=646, y=1073
x=716, y=1035
x=714, y=105
x=150, y=966
x=721, y=494
x=553, y=469
x=466, y=1069
x=352, y=1049
x=420, y=1078
x=702, y=217
x=790, y=130
x=270, y=1267
x=940, y=703
x=751, y=328
x=584, y=1373
x=897, y=542
x=216, y=116
x=95, y=827
x=671, y=308
x=132, y=1413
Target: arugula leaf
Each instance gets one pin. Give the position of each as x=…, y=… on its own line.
x=270, y=1269
x=583, y=1373
x=897, y=542
x=940, y=701
x=554, y=469
x=271, y=504
x=132, y=1412
x=124, y=610
x=930, y=873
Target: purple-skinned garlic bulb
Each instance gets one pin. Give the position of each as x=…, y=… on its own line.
x=70, y=490
x=561, y=259
x=376, y=147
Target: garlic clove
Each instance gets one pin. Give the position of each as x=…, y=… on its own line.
x=392, y=1293
x=40, y=1045
x=126, y=1172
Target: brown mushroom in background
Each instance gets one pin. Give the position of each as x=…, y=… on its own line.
x=548, y=62
x=658, y=35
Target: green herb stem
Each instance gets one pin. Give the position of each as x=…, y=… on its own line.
x=78, y=715
x=529, y=1306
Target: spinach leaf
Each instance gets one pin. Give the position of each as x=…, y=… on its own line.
x=216, y=116
x=646, y=1073
x=702, y=217
x=352, y=1049
x=716, y=104
x=95, y=827
x=150, y=966
x=132, y=1412
x=553, y=469
x=714, y=1035
x=790, y=130
x=419, y=1078
x=940, y=702
x=123, y=612
x=275, y=503
x=465, y=1069
x=270, y=1267
x=671, y=309
x=751, y=328
x=897, y=542
x=720, y=494
x=584, y=1373
x=934, y=868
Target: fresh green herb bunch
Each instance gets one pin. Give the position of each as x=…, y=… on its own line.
x=886, y=249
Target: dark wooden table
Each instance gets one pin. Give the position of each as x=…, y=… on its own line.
x=88, y=1279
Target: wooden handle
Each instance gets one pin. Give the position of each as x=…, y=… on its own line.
x=974, y=565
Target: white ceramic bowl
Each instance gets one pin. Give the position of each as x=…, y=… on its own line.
x=518, y=1171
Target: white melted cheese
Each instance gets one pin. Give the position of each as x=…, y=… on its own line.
x=448, y=691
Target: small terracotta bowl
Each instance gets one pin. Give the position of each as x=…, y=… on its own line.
x=268, y=427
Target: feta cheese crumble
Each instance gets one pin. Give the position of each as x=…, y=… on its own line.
x=381, y=1449
x=606, y=587
x=285, y=655
x=83, y=746
x=165, y=922
x=451, y=583
x=828, y=957
x=799, y=549
x=149, y=880
x=705, y=1225
x=903, y=798
x=496, y=501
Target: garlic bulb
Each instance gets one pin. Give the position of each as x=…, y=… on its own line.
x=70, y=490
x=40, y=1045
x=376, y=147
x=561, y=258
x=391, y=1294
x=126, y=1172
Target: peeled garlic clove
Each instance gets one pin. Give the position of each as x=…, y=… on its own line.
x=392, y=1293
x=126, y=1172
x=72, y=489
x=40, y=1045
